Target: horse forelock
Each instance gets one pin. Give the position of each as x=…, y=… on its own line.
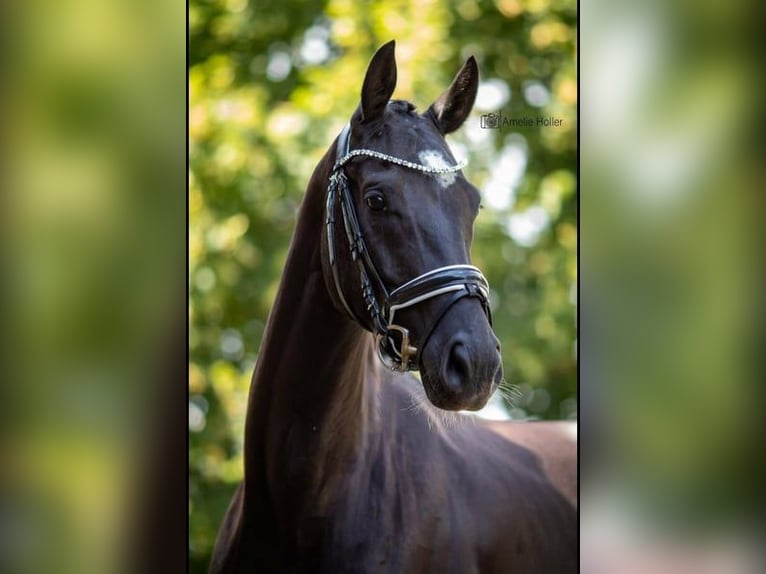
x=402, y=106
x=403, y=133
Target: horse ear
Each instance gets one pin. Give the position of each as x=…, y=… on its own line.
x=379, y=82
x=452, y=107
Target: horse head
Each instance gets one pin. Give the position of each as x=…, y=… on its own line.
x=396, y=253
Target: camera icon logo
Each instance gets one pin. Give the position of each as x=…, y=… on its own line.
x=490, y=121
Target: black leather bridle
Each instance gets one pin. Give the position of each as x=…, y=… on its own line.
x=457, y=281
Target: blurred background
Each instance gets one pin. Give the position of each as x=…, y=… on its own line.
x=271, y=84
x=672, y=290
x=93, y=308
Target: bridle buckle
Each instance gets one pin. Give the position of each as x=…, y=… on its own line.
x=406, y=351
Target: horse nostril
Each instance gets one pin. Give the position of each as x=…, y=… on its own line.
x=458, y=367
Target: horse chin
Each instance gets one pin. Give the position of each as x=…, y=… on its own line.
x=443, y=398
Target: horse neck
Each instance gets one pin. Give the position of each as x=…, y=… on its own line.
x=309, y=406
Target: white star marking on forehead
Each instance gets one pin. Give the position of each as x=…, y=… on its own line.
x=435, y=159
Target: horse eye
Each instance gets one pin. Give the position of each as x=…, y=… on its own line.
x=375, y=201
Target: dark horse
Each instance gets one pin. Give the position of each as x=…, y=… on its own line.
x=349, y=466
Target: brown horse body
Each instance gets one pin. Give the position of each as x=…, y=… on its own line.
x=349, y=468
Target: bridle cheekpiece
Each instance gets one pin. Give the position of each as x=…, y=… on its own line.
x=393, y=342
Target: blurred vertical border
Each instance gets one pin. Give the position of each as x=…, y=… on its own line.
x=672, y=335
x=93, y=287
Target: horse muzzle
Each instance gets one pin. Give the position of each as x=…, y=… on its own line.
x=448, y=285
x=461, y=364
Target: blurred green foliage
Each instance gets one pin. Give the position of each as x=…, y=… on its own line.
x=92, y=245
x=674, y=289
x=271, y=84
x=673, y=306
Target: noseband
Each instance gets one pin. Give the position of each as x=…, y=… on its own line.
x=393, y=341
